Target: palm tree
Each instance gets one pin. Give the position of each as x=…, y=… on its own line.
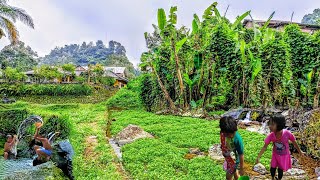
x=8, y=16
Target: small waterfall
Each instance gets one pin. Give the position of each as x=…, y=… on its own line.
x=247, y=119
x=264, y=129
x=22, y=130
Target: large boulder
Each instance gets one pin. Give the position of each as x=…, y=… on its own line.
x=130, y=134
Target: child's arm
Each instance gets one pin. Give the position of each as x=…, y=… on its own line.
x=261, y=153
x=297, y=147
x=241, y=165
x=37, y=132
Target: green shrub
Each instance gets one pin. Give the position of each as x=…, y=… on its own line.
x=56, y=123
x=45, y=89
x=124, y=99
x=10, y=120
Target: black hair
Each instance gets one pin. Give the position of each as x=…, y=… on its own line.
x=279, y=120
x=228, y=125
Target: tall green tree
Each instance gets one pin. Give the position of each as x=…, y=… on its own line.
x=8, y=17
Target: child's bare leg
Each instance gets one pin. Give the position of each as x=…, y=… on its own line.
x=5, y=155
x=229, y=176
x=41, y=154
x=236, y=175
x=36, y=147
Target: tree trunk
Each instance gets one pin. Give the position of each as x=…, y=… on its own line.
x=178, y=72
x=164, y=90
x=316, y=96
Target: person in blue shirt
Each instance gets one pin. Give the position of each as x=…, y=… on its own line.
x=232, y=148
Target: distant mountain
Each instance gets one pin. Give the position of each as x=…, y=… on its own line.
x=18, y=56
x=113, y=55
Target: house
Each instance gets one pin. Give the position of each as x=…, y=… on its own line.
x=81, y=69
x=279, y=25
x=118, y=73
x=120, y=81
x=32, y=78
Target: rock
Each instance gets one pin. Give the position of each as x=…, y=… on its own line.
x=317, y=171
x=285, y=113
x=259, y=168
x=215, y=152
x=130, y=134
x=194, y=151
x=186, y=114
x=295, y=172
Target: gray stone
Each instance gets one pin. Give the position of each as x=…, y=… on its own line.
x=130, y=134
x=215, y=152
x=259, y=168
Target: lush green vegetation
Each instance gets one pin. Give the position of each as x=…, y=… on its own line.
x=19, y=56
x=163, y=157
x=220, y=65
x=98, y=53
x=46, y=89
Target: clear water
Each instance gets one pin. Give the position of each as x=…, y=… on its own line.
x=23, y=169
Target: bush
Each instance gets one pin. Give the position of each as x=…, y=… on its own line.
x=124, y=99
x=45, y=89
x=56, y=123
x=10, y=120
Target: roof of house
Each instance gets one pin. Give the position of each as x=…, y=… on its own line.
x=277, y=23
x=114, y=75
x=117, y=70
x=29, y=72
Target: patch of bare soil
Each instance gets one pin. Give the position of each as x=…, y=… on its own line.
x=308, y=164
x=91, y=143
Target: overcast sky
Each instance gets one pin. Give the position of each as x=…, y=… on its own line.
x=60, y=22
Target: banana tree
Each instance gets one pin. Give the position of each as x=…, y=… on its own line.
x=168, y=33
x=147, y=61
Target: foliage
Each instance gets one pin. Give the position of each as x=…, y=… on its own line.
x=13, y=75
x=124, y=99
x=223, y=65
x=10, y=119
x=162, y=157
x=45, y=89
x=69, y=68
x=312, y=18
x=18, y=56
x=8, y=16
x=114, y=55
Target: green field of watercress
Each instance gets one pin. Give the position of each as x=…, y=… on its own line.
x=163, y=157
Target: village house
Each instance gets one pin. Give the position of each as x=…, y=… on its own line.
x=118, y=73
x=279, y=25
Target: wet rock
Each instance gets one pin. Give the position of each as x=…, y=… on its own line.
x=194, y=151
x=216, y=153
x=295, y=172
x=186, y=114
x=317, y=171
x=259, y=168
x=130, y=134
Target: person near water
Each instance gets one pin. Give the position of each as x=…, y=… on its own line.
x=8, y=146
x=44, y=151
x=232, y=148
x=280, y=137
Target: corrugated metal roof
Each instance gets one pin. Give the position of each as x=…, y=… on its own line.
x=117, y=70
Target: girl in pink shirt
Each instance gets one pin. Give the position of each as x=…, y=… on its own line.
x=280, y=137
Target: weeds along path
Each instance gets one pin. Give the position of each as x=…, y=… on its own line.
x=94, y=158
